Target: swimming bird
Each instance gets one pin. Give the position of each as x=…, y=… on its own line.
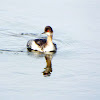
x=43, y=45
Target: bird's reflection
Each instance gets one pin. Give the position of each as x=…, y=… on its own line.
x=48, y=57
x=48, y=68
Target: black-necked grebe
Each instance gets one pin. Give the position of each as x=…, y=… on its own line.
x=43, y=45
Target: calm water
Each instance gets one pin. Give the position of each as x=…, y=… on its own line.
x=75, y=69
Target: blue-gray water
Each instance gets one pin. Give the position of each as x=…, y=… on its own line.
x=76, y=65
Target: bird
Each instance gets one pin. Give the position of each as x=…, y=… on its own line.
x=43, y=45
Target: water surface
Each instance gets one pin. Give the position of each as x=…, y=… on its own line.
x=74, y=72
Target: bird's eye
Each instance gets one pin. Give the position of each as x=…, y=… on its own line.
x=47, y=30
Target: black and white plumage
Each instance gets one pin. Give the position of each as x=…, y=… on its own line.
x=43, y=45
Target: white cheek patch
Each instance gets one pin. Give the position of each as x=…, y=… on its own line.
x=48, y=33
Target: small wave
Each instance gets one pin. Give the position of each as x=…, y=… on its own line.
x=6, y=50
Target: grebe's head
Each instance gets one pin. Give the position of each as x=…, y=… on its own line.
x=48, y=30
